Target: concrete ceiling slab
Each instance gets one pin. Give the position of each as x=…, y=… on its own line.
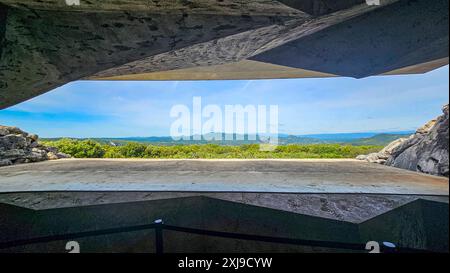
x=402, y=34
x=46, y=43
x=215, y=7
x=321, y=7
x=46, y=49
x=232, y=71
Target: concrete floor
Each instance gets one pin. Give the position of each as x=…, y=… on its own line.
x=278, y=176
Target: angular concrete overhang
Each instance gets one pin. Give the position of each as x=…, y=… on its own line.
x=46, y=43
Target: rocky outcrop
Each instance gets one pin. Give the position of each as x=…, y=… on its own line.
x=382, y=156
x=425, y=151
x=17, y=146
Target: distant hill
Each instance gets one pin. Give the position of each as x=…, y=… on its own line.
x=341, y=136
x=379, y=140
x=357, y=139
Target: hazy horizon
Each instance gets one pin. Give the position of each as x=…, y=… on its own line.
x=282, y=134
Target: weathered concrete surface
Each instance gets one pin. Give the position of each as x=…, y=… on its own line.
x=364, y=46
x=45, y=43
x=195, y=212
x=36, y=57
x=355, y=208
x=420, y=224
x=321, y=7
x=293, y=176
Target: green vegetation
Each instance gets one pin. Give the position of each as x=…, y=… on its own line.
x=94, y=149
x=355, y=139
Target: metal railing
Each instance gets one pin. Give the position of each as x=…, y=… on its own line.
x=159, y=228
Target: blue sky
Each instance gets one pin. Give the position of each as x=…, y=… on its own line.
x=306, y=106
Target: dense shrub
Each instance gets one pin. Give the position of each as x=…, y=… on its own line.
x=93, y=149
x=133, y=149
x=79, y=149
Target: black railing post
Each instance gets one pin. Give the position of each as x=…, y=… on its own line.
x=159, y=236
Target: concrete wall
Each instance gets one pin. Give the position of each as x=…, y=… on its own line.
x=213, y=214
x=421, y=224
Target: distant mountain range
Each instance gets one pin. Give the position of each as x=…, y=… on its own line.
x=368, y=138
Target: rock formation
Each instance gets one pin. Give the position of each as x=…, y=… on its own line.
x=382, y=156
x=425, y=151
x=17, y=146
